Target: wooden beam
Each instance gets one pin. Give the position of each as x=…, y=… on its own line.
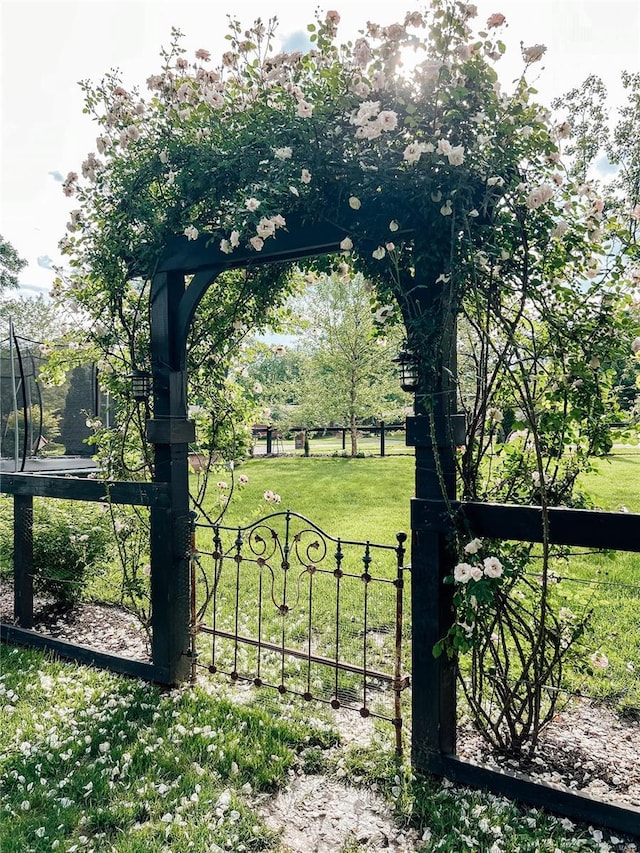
x=83, y=654
x=81, y=489
x=300, y=241
x=587, y=528
x=553, y=798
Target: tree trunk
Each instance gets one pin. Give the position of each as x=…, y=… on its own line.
x=354, y=434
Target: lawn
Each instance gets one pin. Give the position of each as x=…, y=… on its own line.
x=325, y=614
x=368, y=498
x=354, y=498
x=608, y=586
x=613, y=484
x=90, y=761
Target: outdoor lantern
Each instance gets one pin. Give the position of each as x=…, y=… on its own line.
x=140, y=385
x=408, y=370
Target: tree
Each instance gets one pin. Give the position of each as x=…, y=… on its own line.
x=587, y=107
x=35, y=318
x=275, y=374
x=348, y=374
x=10, y=265
x=599, y=132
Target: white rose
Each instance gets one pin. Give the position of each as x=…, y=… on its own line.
x=473, y=547
x=493, y=568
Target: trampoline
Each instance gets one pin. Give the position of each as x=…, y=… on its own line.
x=43, y=429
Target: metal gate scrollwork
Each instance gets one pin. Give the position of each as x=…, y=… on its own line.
x=281, y=604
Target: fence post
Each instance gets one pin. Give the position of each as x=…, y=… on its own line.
x=433, y=680
x=382, y=448
x=170, y=432
x=432, y=546
x=269, y=441
x=23, y=560
x=344, y=438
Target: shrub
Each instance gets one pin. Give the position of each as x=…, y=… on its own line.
x=70, y=540
x=6, y=536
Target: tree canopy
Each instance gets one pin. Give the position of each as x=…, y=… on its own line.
x=10, y=265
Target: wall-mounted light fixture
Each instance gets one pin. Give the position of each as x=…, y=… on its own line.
x=407, y=370
x=140, y=385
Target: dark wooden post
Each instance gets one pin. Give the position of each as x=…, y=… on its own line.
x=170, y=432
x=432, y=558
x=23, y=560
x=344, y=438
x=269, y=440
x=382, y=438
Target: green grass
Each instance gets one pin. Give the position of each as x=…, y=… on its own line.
x=107, y=763
x=352, y=498
x=344, y=485
x=95, y=762
x=613, y=484
x=608, y=586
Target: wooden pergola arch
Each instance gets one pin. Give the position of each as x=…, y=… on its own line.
x=434, y=431
x=173, y=305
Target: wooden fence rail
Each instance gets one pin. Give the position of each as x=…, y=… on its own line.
x=615, y=531
x=24, y=487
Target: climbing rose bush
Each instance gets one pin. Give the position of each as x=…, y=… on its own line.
x=452, y=199
x=405, y=131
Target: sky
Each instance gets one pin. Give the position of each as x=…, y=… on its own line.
x=47, y=46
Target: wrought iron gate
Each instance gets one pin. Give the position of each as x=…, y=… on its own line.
x=282, y=604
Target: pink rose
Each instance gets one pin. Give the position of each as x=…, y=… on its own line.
x=533, y=53
x=496, y=20
x=362, y=52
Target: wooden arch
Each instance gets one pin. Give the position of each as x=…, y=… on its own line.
x=173, y=304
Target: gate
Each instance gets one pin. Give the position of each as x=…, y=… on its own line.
x=280, y=603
